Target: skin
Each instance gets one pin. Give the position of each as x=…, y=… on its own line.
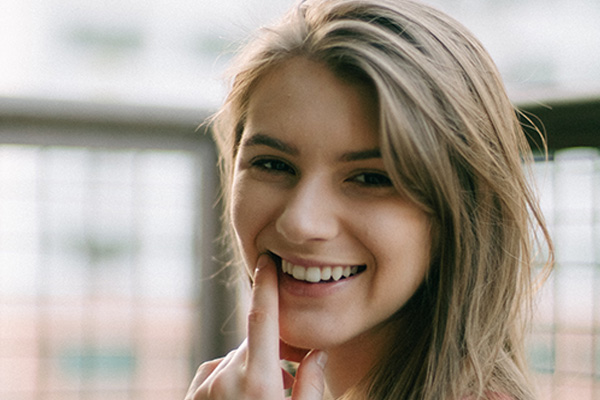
x=310, y=187
x=252, y=371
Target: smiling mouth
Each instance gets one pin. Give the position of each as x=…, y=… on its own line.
x=320, y=274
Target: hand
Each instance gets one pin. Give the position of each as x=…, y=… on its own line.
x=253, y=371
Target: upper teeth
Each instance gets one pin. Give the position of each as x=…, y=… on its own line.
x=316, y=274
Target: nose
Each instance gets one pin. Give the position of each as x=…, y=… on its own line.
x=309, y=214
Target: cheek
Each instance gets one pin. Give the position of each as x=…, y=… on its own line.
x=237, y=207
x=401, y=244
x=241, y=225
x=241, y=209
x=249, y=216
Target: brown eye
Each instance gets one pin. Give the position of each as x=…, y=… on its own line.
x=273, y=165
x=372, y=179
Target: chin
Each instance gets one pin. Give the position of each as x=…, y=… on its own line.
x=302, y=342
x=308, y=338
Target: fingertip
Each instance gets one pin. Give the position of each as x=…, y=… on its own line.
x=263, y=261
x=310, y=378
x=321, y=358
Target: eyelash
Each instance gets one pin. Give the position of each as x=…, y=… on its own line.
x=273, y=165
x=372, y=179
x=365, y=179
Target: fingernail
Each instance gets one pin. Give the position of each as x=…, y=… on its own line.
x=322, y=359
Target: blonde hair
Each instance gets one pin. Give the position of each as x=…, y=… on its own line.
x=452, y=143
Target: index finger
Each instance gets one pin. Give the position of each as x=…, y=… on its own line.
x=263, y=318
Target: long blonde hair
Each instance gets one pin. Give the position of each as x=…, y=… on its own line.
x=452, y=142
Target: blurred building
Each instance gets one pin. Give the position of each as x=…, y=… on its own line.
x=106, y=228
x=173, y=53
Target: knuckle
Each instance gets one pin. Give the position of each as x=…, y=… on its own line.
x=232, y=380
x=266, y=383
x=207, y=366
x=255, y=388
x=196, y=394
x=198, y=386
x=218, y=387
x=257, y=316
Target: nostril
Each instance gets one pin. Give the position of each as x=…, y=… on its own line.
x=301, y=226
x=309, y=210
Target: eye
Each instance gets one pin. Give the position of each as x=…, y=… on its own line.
x=273, y=165
x=374, y=179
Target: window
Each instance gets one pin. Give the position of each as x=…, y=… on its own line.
x=105, y=233
x=565, y=344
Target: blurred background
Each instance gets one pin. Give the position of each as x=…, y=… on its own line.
x=109, y=285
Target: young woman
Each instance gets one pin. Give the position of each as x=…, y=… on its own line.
x=374, y=173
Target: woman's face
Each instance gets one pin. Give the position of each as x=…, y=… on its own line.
x=311, y=189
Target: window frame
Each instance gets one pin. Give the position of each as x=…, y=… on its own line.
x=46, y=122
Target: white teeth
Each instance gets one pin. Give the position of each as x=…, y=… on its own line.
x=347, y=271
x=287, y=267
x=317, y=274
x=313, y=274
x=326, y=273
x=336, y=273
x=299, y=272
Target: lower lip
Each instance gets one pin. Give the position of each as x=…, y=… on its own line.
x=307, y=289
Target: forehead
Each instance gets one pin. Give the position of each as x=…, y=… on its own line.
x=301, y=97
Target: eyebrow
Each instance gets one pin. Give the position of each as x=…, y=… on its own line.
x=361, y=155
x=260, y=139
